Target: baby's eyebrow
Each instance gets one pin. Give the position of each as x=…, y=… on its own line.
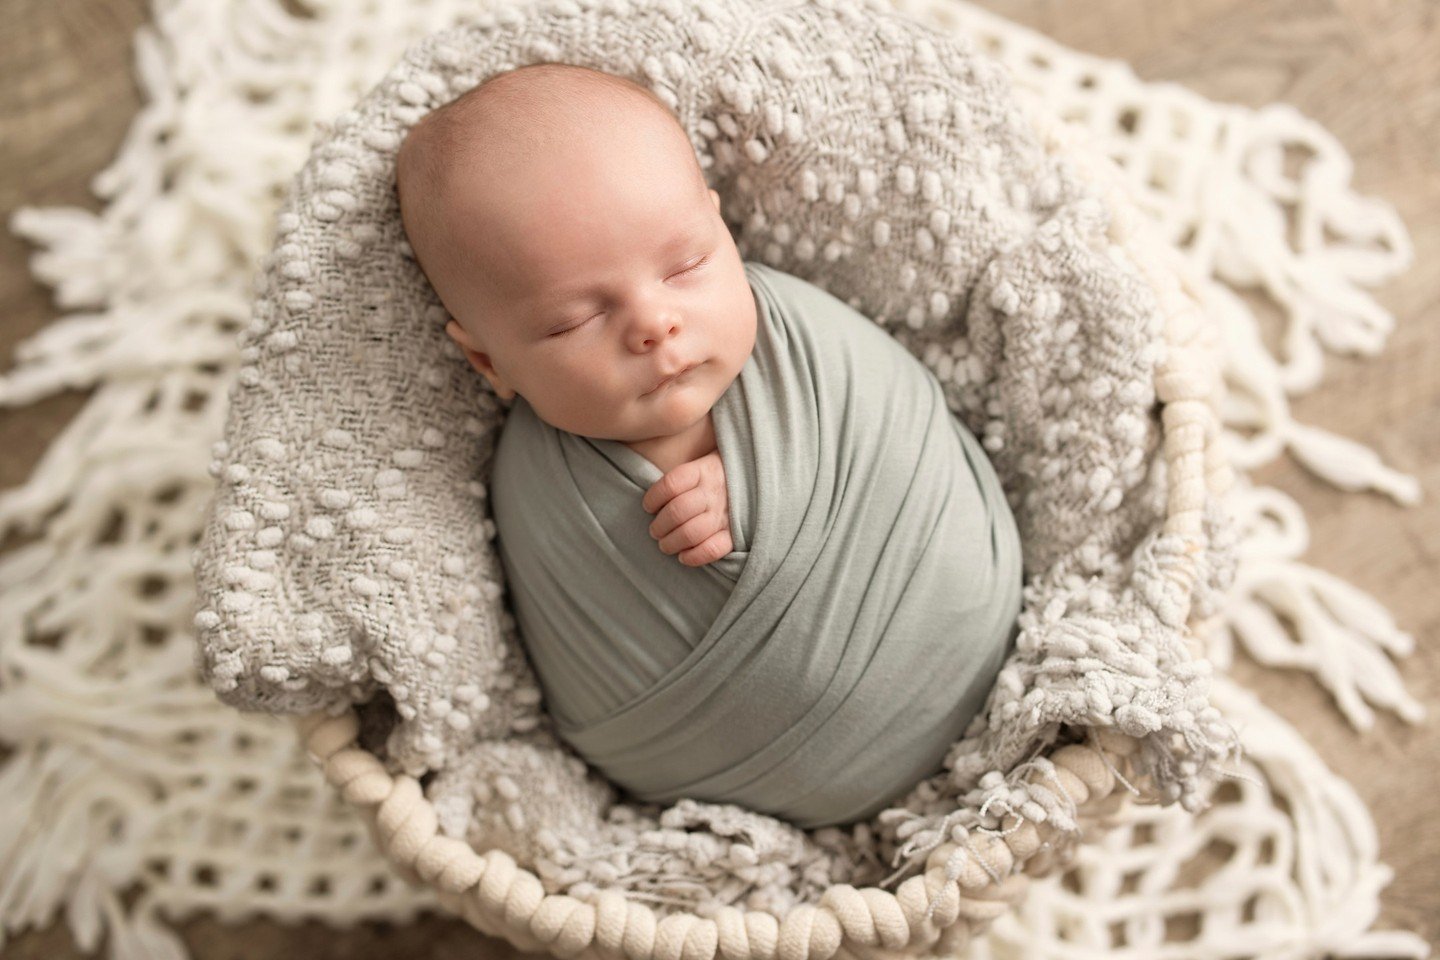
x=562, y=295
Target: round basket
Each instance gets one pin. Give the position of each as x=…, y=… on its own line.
x=935, y=912
x=500, y=898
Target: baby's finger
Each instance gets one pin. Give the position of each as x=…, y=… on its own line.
x=691, y=533
x=676, y=482
x=708, y=552
x=678, y=511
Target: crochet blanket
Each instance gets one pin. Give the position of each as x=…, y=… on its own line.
x=347, y=555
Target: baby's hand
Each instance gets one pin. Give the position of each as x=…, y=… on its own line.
x=695, y=519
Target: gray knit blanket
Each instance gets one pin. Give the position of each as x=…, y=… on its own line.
x=348, y=556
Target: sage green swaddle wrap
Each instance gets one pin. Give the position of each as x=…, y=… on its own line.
x=827, y=664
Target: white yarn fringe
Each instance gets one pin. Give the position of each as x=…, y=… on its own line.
x=126, y=770
x=1307, y=887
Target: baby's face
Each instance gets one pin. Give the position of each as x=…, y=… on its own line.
x=588, y=278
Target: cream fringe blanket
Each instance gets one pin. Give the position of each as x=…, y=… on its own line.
x=125, y=769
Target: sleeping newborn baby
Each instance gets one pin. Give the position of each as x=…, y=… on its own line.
x=753, y=557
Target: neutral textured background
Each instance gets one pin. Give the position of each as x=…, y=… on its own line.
x=1366, y=69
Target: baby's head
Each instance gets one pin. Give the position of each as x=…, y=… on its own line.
x=563, y=220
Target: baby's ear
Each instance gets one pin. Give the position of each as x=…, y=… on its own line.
x=480, y=361
x=477, y=359
x=458, y=334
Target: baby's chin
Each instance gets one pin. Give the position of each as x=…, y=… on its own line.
x=677, y=406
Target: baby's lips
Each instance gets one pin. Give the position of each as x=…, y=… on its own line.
x=683, y=369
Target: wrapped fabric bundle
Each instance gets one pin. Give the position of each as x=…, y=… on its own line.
x=831, y=659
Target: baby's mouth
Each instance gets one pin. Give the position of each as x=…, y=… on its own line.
x=671, y=379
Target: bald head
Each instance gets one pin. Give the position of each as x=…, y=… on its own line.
x=482, y=154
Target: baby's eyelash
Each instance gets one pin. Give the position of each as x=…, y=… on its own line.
x=696, y=266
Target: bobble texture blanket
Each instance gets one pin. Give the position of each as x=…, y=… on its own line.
x=874, y=555
x=348, y=556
